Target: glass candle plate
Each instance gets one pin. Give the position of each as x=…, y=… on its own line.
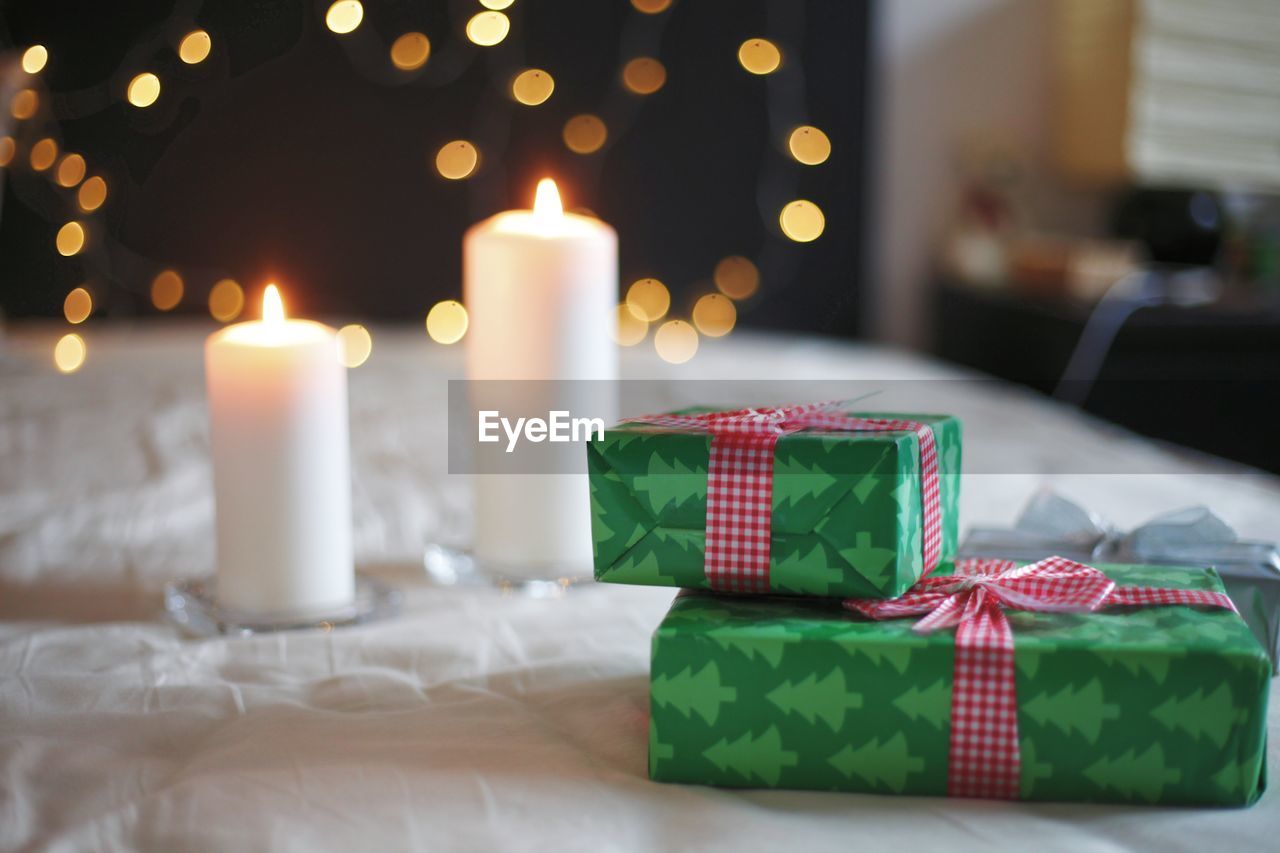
x=456, y=567
x=193, y=605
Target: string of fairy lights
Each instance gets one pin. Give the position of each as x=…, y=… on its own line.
x=646, y=306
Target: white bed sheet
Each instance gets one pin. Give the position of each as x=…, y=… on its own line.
x=474, y=720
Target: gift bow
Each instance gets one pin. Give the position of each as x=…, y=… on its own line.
x=740, y=482
x=984, y=753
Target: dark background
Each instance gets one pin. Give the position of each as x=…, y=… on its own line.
x=295, y=154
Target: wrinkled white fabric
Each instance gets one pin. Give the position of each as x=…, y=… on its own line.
x=473, y=720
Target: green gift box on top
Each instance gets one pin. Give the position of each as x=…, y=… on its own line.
x=846, y=517
x=1141, y=704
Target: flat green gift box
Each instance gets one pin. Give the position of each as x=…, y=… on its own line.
x=1142, y=705
x=846, y=520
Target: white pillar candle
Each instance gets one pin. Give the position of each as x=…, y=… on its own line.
x=281, y=465
x=541, y=290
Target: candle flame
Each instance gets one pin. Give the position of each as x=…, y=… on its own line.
x=546, y=202
x=272, y=306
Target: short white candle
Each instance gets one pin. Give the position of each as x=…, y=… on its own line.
x=281, y=465
x=541, y=290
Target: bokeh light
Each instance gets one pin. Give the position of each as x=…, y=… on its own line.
x=43, y=153
x=77, y=306
x=194, y=47
x=144, y=90
x=809, y=145
x=92, y=194
x=69, y=353
x=532, y=87
x=70, y=170
x=644, y=75
x=447, y=322
x=24, y=104
x=354, y=344
x=759, y=56
x=344, y=16
x=676, y=341
x=496, y=5
x=648, y=299
x=226, y=300
x=70, y=239
x=736, y=277
x=457, y=159
x=166, y=290
x=7, y=149
x=488, y=28
x=585, y=134
x=410, y=51
x=630, y=329
x=802, y=221
x=651, y=7
x=34, y=59
x=714, y=315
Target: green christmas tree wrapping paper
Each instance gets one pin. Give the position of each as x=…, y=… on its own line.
x=846, y=515
x=1139, y=705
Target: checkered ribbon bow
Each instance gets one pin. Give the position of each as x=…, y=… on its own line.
x=740, y=482
x=984, y=758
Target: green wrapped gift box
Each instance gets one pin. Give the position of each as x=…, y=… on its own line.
x=1135, y=704
x=846, y=514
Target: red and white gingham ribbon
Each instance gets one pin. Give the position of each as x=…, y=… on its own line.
x=740, y=482
x=984, y=758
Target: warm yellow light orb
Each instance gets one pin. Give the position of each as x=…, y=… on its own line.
x=447, y=322
x=70, y=170
x=354, y=344
x=736, y=277
x=809, y=145
x=144, y=90
x=457, y=159
x=77, y=306
x=629, y=329
x=410, y=51
x=34, y=59
x=714, y=315
x=24, y=104
x=92, y=194
x=651, y=7
x=759, y=56
x=644, y=75
x=226, y=300
x=194, y=47
x=8, y=148
x=648, y=299
x=488, y=28
x=676, y=341
x=166, y=290
x=532, y=87
x=585, y=134
x=802, y=221
x=344, y=16
x=43, y=153
x=496, y=5
x=70, y=239
x=69, y=353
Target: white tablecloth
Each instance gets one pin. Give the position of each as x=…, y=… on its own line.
x=473, y=720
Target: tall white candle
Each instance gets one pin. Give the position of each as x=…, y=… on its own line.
x=541, y=290
x=281, y=464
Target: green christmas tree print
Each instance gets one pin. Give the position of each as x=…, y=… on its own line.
x=1134, y=776
x=765, y=641
x=1154, y=665
x=865, y=486
x=700, y=694
x=869, y=561
x=811, y=698
x=636, y=569
x=1230, y=778
x=1211, y=716
x=669, y=483
x=658, y=751
x=1082, y=710
x=805, y=575
x=882, y=765
x=1032, y=770
x=762, y=757
x=897, y=654
x=932, y=704
x=794, y=482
